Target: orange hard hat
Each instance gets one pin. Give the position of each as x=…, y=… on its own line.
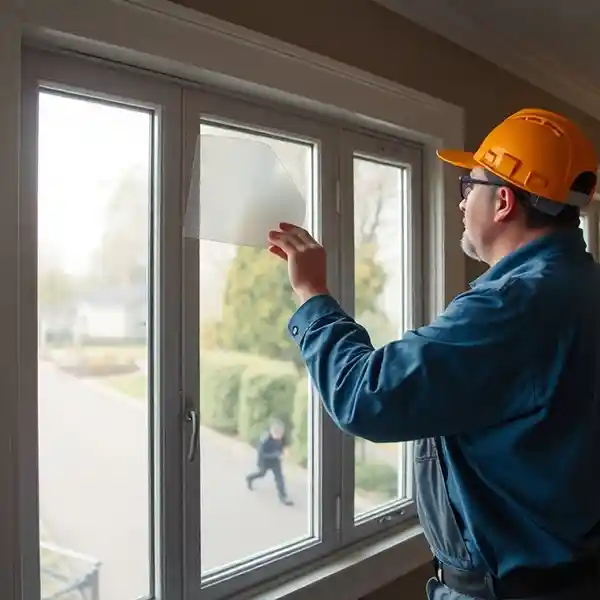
x=538, y=151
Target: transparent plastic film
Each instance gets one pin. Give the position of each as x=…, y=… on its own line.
x=239, y=190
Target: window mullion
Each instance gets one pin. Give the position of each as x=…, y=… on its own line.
x=168, y=481
x=190, y=363
x=347, y=293
x=330, y=466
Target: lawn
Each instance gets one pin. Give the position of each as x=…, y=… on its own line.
x=98, y=353
x=133, y=384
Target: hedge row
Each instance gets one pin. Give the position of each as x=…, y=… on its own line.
x=240, y=394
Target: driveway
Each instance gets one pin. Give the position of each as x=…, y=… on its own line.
x=94, y=487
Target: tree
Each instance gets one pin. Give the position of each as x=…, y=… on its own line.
x=56, y=289
x=369, y=279
x=258, y=302
x=122, y=257
x=258, y=299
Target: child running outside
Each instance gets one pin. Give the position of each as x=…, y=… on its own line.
x=270, y=451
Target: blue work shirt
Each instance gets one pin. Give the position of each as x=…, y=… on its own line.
x=507, y=378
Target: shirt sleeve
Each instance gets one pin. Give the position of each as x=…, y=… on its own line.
x=465, y=371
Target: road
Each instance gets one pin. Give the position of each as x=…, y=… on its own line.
x=94, y=486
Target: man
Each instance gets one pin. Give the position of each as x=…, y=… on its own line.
x=501, y=390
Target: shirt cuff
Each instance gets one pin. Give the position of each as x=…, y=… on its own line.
x=309, y=312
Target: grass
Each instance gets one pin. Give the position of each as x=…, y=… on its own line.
x=134, y=385
x=133, y=352
x=96, y=357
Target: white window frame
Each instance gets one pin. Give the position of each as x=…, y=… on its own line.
x=268, y=119
x=334, y=500
x=65, y=74
x=165, y=38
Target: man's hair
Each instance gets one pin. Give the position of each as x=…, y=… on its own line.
x=567, y=218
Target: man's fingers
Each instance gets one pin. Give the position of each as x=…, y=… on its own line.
x=276, y=238
x=301, y=234
x=306, y=238
x=278, y=252
x=288, y=242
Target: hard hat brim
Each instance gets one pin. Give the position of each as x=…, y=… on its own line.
x=458, y=158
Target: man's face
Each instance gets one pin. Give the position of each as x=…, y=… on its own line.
x=478, y=215
x=277, y=431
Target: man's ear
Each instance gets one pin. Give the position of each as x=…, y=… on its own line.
x=506, y=204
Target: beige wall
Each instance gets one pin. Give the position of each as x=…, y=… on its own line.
x=364, y=34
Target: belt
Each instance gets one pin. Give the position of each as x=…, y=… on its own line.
x=521, y=583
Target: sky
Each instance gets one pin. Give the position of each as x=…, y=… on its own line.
x=84, y=148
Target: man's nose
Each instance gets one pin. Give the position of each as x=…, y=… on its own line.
x=461, y=206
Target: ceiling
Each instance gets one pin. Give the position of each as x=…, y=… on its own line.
x=553, y=44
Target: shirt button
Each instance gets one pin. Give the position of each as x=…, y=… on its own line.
x=295, y=330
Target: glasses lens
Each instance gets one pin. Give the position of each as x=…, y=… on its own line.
x=465, y=186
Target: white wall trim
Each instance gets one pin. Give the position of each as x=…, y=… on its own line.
x=523, y=58
x=213, y=50
x=161, y=37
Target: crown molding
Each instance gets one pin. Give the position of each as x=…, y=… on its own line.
x=475, y=31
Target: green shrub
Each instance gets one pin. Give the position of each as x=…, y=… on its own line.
x=376, y=478
x=267, y=393
x=220, y=381
x=300, y=423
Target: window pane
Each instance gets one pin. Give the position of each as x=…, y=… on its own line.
x=380, y=305
x=93, y=281
x=585, y=227
x=256, y=476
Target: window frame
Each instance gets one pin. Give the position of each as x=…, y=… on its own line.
x=337, y=145
x=339, y=141
x=42, y=70
x=219, y=108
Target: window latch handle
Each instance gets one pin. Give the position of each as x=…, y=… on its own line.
x=191, y=415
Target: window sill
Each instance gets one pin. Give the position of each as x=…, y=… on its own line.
x=355, y=572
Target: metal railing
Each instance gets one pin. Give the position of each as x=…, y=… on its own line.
x=68, y=575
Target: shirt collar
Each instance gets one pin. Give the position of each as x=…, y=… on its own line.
x=567, y=243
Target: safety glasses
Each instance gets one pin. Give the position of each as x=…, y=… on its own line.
x=467, y=182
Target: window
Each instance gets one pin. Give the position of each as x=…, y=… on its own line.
x=94, y=263
x=585, y=227
x=381, y=300
x=255, y=448
x=95, y=239
x=381, y=287
x=266, y=498
x=176, y=422
x=590, y=225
